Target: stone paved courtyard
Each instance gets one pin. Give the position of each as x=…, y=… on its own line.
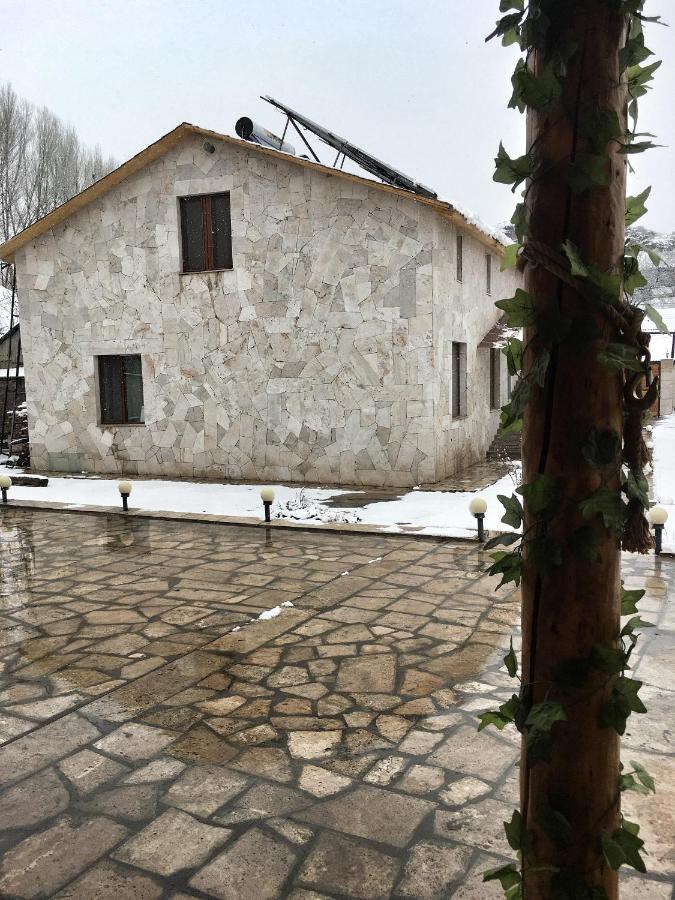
x=150, y=751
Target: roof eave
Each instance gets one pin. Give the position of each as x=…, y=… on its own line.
x=154, y=151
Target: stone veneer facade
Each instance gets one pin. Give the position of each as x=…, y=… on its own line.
x=324, y=355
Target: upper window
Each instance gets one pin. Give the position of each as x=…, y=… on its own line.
x=458, y=399
x=495, y=378
x=459, y=257
x=207, y=232
x=120, y=380
x=488, y=273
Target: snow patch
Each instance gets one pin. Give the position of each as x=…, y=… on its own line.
x=272, y=613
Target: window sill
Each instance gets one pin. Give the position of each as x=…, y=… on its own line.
x=121, y=424
x=205, y=271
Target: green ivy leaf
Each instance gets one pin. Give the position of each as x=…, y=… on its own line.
x=507, y=564
x=520, y=222
x=601, y=447
x=514, y=510
x=513, y=351
x=545, y=554
x=623, y=701
x=506, y=25
x=541, y=495
x=512, y=171
x=519, y=309
x=502, y=539
x=633, y=623
x=510, y=257
x=638, y=147
x=506, y=714
x=629, y=600
x=635, y=207
x=536, y=90
x=636, y=487
x=655, y=316
x=628, y=783
x=612, y=851
x=555, y=824
x=605, y=503
x=588, y=171
x=623, y=847
x=639, y=77
x=516, y=834
x=644, y=776
x=544, y=715
x=617, y=357
x=539, y=747
x=506, y=5
x=634, y=52
x=577, y=265
x=607, y=659
x=584, y=544
x=509, y=878
x=632, y=276
x=511, y=661
x=599, y=127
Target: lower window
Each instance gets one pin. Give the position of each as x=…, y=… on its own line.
x=120, y=380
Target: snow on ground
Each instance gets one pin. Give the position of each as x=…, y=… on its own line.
x=663, y=478
x=428, y=512
x=440, y=513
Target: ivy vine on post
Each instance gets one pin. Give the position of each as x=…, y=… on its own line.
x=584, y=383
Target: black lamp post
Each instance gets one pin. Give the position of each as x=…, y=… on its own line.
x=5, y=485
x=477, y=508
x=267, y=497
x=125, y=489
x=657, y=517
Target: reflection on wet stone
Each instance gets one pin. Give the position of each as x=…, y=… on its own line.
x=151, y=751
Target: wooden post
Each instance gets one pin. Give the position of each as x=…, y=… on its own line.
x=577, y=606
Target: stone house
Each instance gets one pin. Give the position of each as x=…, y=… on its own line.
x=215, y=309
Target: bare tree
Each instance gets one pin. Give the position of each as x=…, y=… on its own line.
x=42, y=164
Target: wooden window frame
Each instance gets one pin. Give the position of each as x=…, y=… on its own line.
x=207, y=232
x=119, y=357
x=459, y=251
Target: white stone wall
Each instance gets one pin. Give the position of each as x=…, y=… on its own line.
x=322, y=356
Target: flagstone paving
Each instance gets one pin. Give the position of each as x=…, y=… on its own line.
x=156, y=743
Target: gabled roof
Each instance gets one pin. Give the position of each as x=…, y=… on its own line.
x=165, y=143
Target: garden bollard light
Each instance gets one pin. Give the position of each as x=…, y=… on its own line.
x=657, y=518
x=5, y=485
x=267, y=497
x=125, y=490
x=477, y=508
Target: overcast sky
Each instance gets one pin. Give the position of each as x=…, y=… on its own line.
x=411, y=82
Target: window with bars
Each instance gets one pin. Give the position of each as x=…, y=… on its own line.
x=495, y=377
x=206, y=231
x=460, y=249
x=120, y=381
x=488, y=273
x=458, y=379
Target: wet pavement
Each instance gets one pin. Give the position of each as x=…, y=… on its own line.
x=150, y=751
